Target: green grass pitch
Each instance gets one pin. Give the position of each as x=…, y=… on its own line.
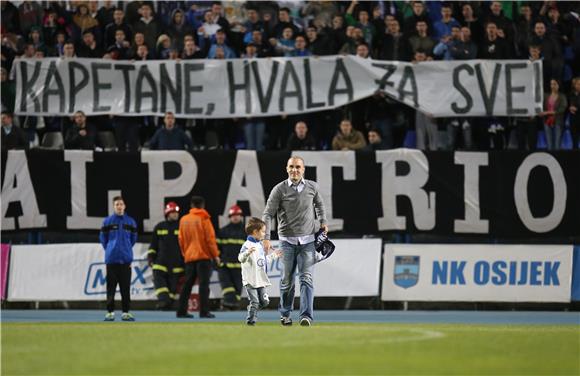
x=268, y=348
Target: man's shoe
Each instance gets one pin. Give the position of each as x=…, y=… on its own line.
x=110, y=316
x=285, y=321
x=250, y=323
x=184, y=315
x=127, y=316
x=305, y=321
x=208, y=315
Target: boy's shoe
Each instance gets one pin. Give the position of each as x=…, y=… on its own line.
x=127, y=316
x=285, y=321
x=110, y=316
x=305, y=321
x=250, y=323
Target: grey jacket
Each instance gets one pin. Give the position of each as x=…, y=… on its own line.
x=295, y=212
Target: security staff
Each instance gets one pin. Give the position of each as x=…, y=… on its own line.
x=165, y=258
x=230, y=239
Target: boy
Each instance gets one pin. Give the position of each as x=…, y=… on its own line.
x=118, y=235
x=254, y=263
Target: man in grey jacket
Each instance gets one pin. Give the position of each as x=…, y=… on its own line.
x=294, y=202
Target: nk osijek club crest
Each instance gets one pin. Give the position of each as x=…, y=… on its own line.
x=406, y=271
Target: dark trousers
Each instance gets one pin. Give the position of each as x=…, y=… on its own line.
x=198, y=269
x=119, y=274
x=231, y=282
x=165, y=287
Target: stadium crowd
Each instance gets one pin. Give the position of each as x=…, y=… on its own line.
x=412, y=31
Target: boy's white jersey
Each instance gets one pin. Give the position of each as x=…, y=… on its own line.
x=254, y=264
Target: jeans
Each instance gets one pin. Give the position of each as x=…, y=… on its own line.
x=553, y=136
x=258, y=300
x=254, y=134
x=301, y=256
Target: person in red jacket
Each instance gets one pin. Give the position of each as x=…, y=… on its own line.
x=198, y=247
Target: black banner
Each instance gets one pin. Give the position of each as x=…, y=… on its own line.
x=506, y=194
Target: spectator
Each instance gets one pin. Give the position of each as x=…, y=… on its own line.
x=555, y=105
x=375, y=141
x=393, y=45
x=191, y=51
x=348, y=138
x=493, y=47
x=169, y=137
x=301, y=139
x=178, y=28
x=264, y=48
x=300, y=47
x=337, y=34
x=444, y=48
x=199, y=248
x=285, y=45
x=10, y=18
x=419, y=14
x=220, y=43
x=230, y=238
x=209, y=28
x=444, y=27
x=551, y=50
x=8, y=91
x=68, y=50
x=464, y=48
x=29, y=15
x=363, y=22
x=253, y=23
x=574, y=109
x=82, y=21
x=147, y=25
x=362, y=50
x=12, y=136
x=164, y=46
x=285, y=21
x=117, y=24
x=523, y=30
x=354, y=36
x=88, y=47
x=316, y=45
x=251, y=51
x=105, y=14
x=504, y=25
x=120, y=49
x=473, y=23
x=118, y=236
x=82, y=134
x=138, y=41
x=421, y=40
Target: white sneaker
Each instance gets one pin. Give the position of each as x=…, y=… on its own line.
x=305, y=321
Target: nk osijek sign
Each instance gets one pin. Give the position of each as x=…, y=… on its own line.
x=462, y=272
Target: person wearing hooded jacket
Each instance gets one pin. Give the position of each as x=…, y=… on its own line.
x=230, y=239
x=164, y=257
x=198, y=247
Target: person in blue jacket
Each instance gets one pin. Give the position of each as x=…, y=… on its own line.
x=118, y=235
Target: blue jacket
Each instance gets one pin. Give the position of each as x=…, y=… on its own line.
x=118, y=235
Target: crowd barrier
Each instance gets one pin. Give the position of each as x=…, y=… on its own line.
x=410, y=272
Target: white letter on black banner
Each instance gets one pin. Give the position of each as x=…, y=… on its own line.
x=552, y=220
x=159, y=187
x=78, y=191
x=18, y=187
x=472, y=222
x=410, y=185
x=245, y=185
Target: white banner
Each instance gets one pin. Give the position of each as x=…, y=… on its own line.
x=70, y=272
x=273, y=86
x=485, y=273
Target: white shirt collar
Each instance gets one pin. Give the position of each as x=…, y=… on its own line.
x=290, y=183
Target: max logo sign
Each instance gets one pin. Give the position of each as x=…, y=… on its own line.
x=96, y=282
